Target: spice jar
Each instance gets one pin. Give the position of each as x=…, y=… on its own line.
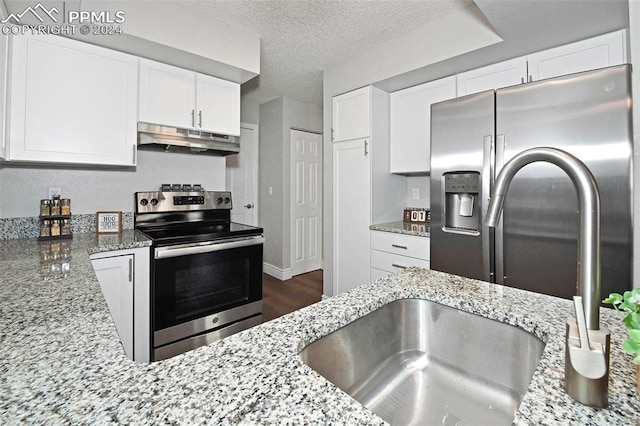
x=55, y=228
x=45, y=207
x=45, y=228
x=66, y=227
x=65, y=206
x=55, y=207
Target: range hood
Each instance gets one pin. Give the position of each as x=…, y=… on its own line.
x=156, y=137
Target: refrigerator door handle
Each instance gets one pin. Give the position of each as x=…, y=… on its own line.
x=488, y=176
x=498, y=232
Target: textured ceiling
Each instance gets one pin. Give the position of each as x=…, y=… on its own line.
x=300, y=38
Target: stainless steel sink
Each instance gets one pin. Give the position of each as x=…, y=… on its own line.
x=414, y=361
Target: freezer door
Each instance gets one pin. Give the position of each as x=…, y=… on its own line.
x=587, y=115
x=462, y=132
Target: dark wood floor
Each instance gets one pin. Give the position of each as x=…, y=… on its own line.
x=282, y=297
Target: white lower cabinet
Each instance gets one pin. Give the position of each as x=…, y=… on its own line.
x=124, y=278
x=392, y=252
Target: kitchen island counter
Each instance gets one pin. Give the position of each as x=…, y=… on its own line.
x=61, y=361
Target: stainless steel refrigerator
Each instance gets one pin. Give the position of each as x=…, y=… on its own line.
x=535, y=245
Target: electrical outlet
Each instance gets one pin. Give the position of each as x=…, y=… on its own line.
x=416, y=193
x=54, y=192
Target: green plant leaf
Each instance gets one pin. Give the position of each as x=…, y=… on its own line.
x=635, y=297
x=627, y=307
x=631, y=347
x=633, y=321
x=636, y=360
x=613, y=299
x=635, y=336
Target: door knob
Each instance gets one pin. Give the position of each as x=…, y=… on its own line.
x=249, y=206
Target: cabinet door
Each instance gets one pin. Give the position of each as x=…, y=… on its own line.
x=411, y=124
x=495, y=76
x=115, y=275
x=4, y=60
x=352, y=115
x=597, y=52
x=218, y=105
x=351, y=214
x=72, y=102
x=167, y=95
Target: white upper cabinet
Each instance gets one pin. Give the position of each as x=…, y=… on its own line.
x=495, y=76
x=597, y=52
x=352, y=115
x=71, y=102
x=410, y=125
x=177, y=97
x=160, y=83
x=218, y=103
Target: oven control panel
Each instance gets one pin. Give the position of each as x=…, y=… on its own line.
x=185, y=200
x=167, y=201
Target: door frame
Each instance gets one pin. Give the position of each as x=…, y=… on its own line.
x=253, y=140
x=256, y=141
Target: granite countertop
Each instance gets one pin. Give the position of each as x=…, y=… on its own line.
x=407, y=228
x=61, y=362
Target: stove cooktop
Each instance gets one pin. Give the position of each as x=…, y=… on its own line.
x=196, y=232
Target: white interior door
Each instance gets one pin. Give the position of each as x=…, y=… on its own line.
x=306, y=201
x=242, y=177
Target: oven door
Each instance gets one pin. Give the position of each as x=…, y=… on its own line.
x=203, y=286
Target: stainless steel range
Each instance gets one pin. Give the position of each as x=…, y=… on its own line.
x=206, y=271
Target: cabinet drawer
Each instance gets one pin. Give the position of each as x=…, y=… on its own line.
x=394, y=262
x=405, y=245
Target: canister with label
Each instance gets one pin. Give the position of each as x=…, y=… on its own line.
x=45, y=207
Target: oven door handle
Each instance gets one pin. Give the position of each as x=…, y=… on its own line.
x=189, y=249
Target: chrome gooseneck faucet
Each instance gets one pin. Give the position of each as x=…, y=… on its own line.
x=586, y=345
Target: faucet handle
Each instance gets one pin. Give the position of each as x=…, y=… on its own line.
x=589, y=358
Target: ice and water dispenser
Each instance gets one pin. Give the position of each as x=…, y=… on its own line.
x=462, y=201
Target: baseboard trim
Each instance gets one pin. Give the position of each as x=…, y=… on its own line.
x=274, y=271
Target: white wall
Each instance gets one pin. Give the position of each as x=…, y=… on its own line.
x=423, y=185
x=270, y=175
x=634, y=49
x=277, y=118
x=91, y=190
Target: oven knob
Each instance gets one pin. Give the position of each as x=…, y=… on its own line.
x=219, y=200
x=154, y=201
x=227, y=200
x=144, y=201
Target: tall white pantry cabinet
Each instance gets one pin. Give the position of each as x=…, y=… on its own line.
x=364, y=191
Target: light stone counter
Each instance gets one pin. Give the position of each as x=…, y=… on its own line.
x=61, y=362
x=407, y=228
